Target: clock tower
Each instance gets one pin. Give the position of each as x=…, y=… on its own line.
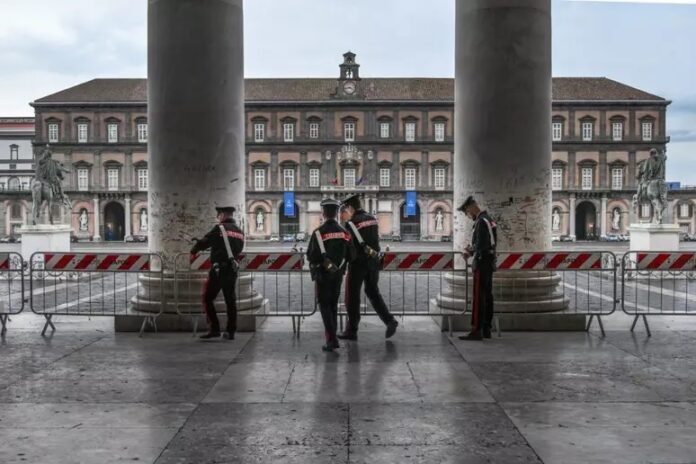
x=350, y=76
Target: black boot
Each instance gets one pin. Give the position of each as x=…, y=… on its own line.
x=486, y=332
x=473, y=335
x=211, y=334
x=391, y=328
x=348, y=335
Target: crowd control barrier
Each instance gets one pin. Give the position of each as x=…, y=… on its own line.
x=576, y=283
x=269, y=285
x=11, y=287
x=658, y=284
x=92, y=284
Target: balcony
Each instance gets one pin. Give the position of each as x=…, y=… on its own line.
x=344, y=189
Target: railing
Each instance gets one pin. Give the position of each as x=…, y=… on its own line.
x=11, y=287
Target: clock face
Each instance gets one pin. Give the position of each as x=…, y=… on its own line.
x=349, y=87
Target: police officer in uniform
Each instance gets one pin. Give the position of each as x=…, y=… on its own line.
x=482, y=251
x=226, y=241
x=328, y=253
x=364, y=230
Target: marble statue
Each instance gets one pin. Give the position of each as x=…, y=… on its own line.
x=651, y=185
x=259, y=221
x=46, y=186
x=143, y=220
x=555, y=220
x=616, y=219
x=84, y=220
x=439, y=226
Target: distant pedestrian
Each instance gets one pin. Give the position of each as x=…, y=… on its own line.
x=482, y=251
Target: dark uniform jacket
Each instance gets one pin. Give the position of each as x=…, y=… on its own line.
x=368, y=227
x=214, y=241
x=483, y=242
x=337, y=243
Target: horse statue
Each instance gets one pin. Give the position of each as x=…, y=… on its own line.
x=651, y=185
x=46, y=186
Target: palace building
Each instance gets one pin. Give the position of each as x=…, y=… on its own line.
x=390, y=139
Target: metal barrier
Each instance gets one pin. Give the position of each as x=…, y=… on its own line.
x=278, y=283
x=92, y=284
x=576, y=283
x=412, y=282
x=11, y=287
x=658, y=284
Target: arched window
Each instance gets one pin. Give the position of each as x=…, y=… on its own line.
x=16, y=211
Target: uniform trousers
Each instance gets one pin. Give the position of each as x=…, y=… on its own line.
x=482, y=307
x=364, y=271
x=328, y=288
x=224, y=279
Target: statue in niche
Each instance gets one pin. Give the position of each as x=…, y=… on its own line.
x=84, y=220
x=439, y=221
x=555, y=220
x=616, y=219
x=143, y=220
x=260, y=220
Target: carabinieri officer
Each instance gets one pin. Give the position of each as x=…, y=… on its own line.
x=226, y=241
x=364, y=229
x=328, y=253
x=482, y=252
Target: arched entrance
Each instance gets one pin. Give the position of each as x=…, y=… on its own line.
x=586, y=221
x=114, y=221
x=288, y=225
x=411, y=225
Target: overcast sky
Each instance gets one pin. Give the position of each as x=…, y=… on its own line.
x=46, y=46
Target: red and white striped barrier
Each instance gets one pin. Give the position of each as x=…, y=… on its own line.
x=554, y=261
x=666, y=261
x=418, y=261
x=254, y=262
x=4, y=261
x=96, y=262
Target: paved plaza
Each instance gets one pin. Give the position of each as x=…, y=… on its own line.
x=87, y=395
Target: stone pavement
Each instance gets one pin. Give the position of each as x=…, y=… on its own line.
x=87, y=395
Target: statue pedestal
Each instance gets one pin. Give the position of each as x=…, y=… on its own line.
x=654, y=237
x=44, y=237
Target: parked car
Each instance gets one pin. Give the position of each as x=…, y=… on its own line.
x=555, y=238
x=73, y=238
x=690, y=237
x=274, y=238
x=289, y=238
x=613, y=238
x=396, y=238
x=446, y=238
x=11, y=239
x=566, y=238
x=300, y=236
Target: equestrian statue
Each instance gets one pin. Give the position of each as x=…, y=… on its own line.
x=46, y=187
x=652, y=188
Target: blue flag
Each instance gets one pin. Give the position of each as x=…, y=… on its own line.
x=289, y=204
x=410, y=204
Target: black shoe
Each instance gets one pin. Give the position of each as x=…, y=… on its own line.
x=487, y=332
x=335, y=344
x=472, y=336
x=210, y=335
x=328, y=347
x=391, y=328
x=348, y=336
x=229, y=335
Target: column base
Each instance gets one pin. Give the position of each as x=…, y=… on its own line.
x=246, y=321
x=543, y=322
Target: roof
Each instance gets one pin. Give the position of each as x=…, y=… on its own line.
x=375, y=89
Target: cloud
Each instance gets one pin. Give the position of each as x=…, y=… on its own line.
x=657, y=2
x=682, y=135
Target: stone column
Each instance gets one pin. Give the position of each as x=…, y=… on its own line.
x=96, y=236
x=603, y=217
x=396, y=218
x=571, y=218
x=503, y=141
x=196, y=139
x=129, y=230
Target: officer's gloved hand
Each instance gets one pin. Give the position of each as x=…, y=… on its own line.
x=329, y=265
x=369, y=251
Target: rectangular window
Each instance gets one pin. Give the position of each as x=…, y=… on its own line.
x=82, y=132
x=439, y=131
x=684, y=210
x=647, y=130
x=645, y=210
x=112, y=179
x=384, y=177
x=314, y=177
x=617, y=131
x=440, y=178
x=410, y=178
x=112, y=131
x=14, y=152
x=259, y=179
x=617, y=178
x=349, y=178
x=313, y=130
x=587, y=131
x=557, y=131
x=410, y=130
x=142, y=133
x=53, y=132
x=289, y=179
x=587, y=178
x=557, y=179
x=259, y=131
x=349, y=131
x=142, y=179
x=83, y=180
x=288, y=132
x=384, y=130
